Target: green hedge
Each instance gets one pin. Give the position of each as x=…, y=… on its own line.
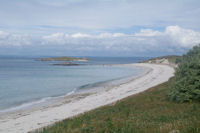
x=186, y=87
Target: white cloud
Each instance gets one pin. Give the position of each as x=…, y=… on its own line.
x=185, y=37
x=80, y=35
x=173, y=39
x=3, y=35
x=56, y=38
x=7, y=39
x=148, y=32
x=110, y=35
x=174, y=35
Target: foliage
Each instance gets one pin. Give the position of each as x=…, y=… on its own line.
x=186, y=86
x=147, y=112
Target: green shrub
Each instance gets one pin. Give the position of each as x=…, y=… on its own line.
x=186, y=86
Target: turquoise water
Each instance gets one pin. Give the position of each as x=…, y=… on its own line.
x=24, y=80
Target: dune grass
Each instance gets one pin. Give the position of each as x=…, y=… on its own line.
x=147, y=112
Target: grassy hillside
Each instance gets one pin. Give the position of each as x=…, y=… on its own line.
x=147, y=112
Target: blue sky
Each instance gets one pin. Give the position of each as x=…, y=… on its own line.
x=98, y=27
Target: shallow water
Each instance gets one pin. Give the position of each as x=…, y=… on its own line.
x=24, y=80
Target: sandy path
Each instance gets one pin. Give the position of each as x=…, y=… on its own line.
x=44, y=117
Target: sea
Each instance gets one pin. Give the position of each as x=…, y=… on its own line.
x=25, y=81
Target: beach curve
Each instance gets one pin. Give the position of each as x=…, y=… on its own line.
x=157, y=74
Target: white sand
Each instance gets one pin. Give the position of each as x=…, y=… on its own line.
x=23, y=123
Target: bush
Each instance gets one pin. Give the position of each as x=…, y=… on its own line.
x=186, y=86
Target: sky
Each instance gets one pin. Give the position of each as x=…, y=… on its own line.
x=98, y=27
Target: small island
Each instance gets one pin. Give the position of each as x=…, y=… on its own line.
x=64, y=58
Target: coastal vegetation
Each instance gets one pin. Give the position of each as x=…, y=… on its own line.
x=152, y=111
x=64, y=58
x=186, y=86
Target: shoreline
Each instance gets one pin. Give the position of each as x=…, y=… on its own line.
x=35, y=119
x=76, y=92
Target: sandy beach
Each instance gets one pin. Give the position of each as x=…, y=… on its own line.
x=25, y=121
